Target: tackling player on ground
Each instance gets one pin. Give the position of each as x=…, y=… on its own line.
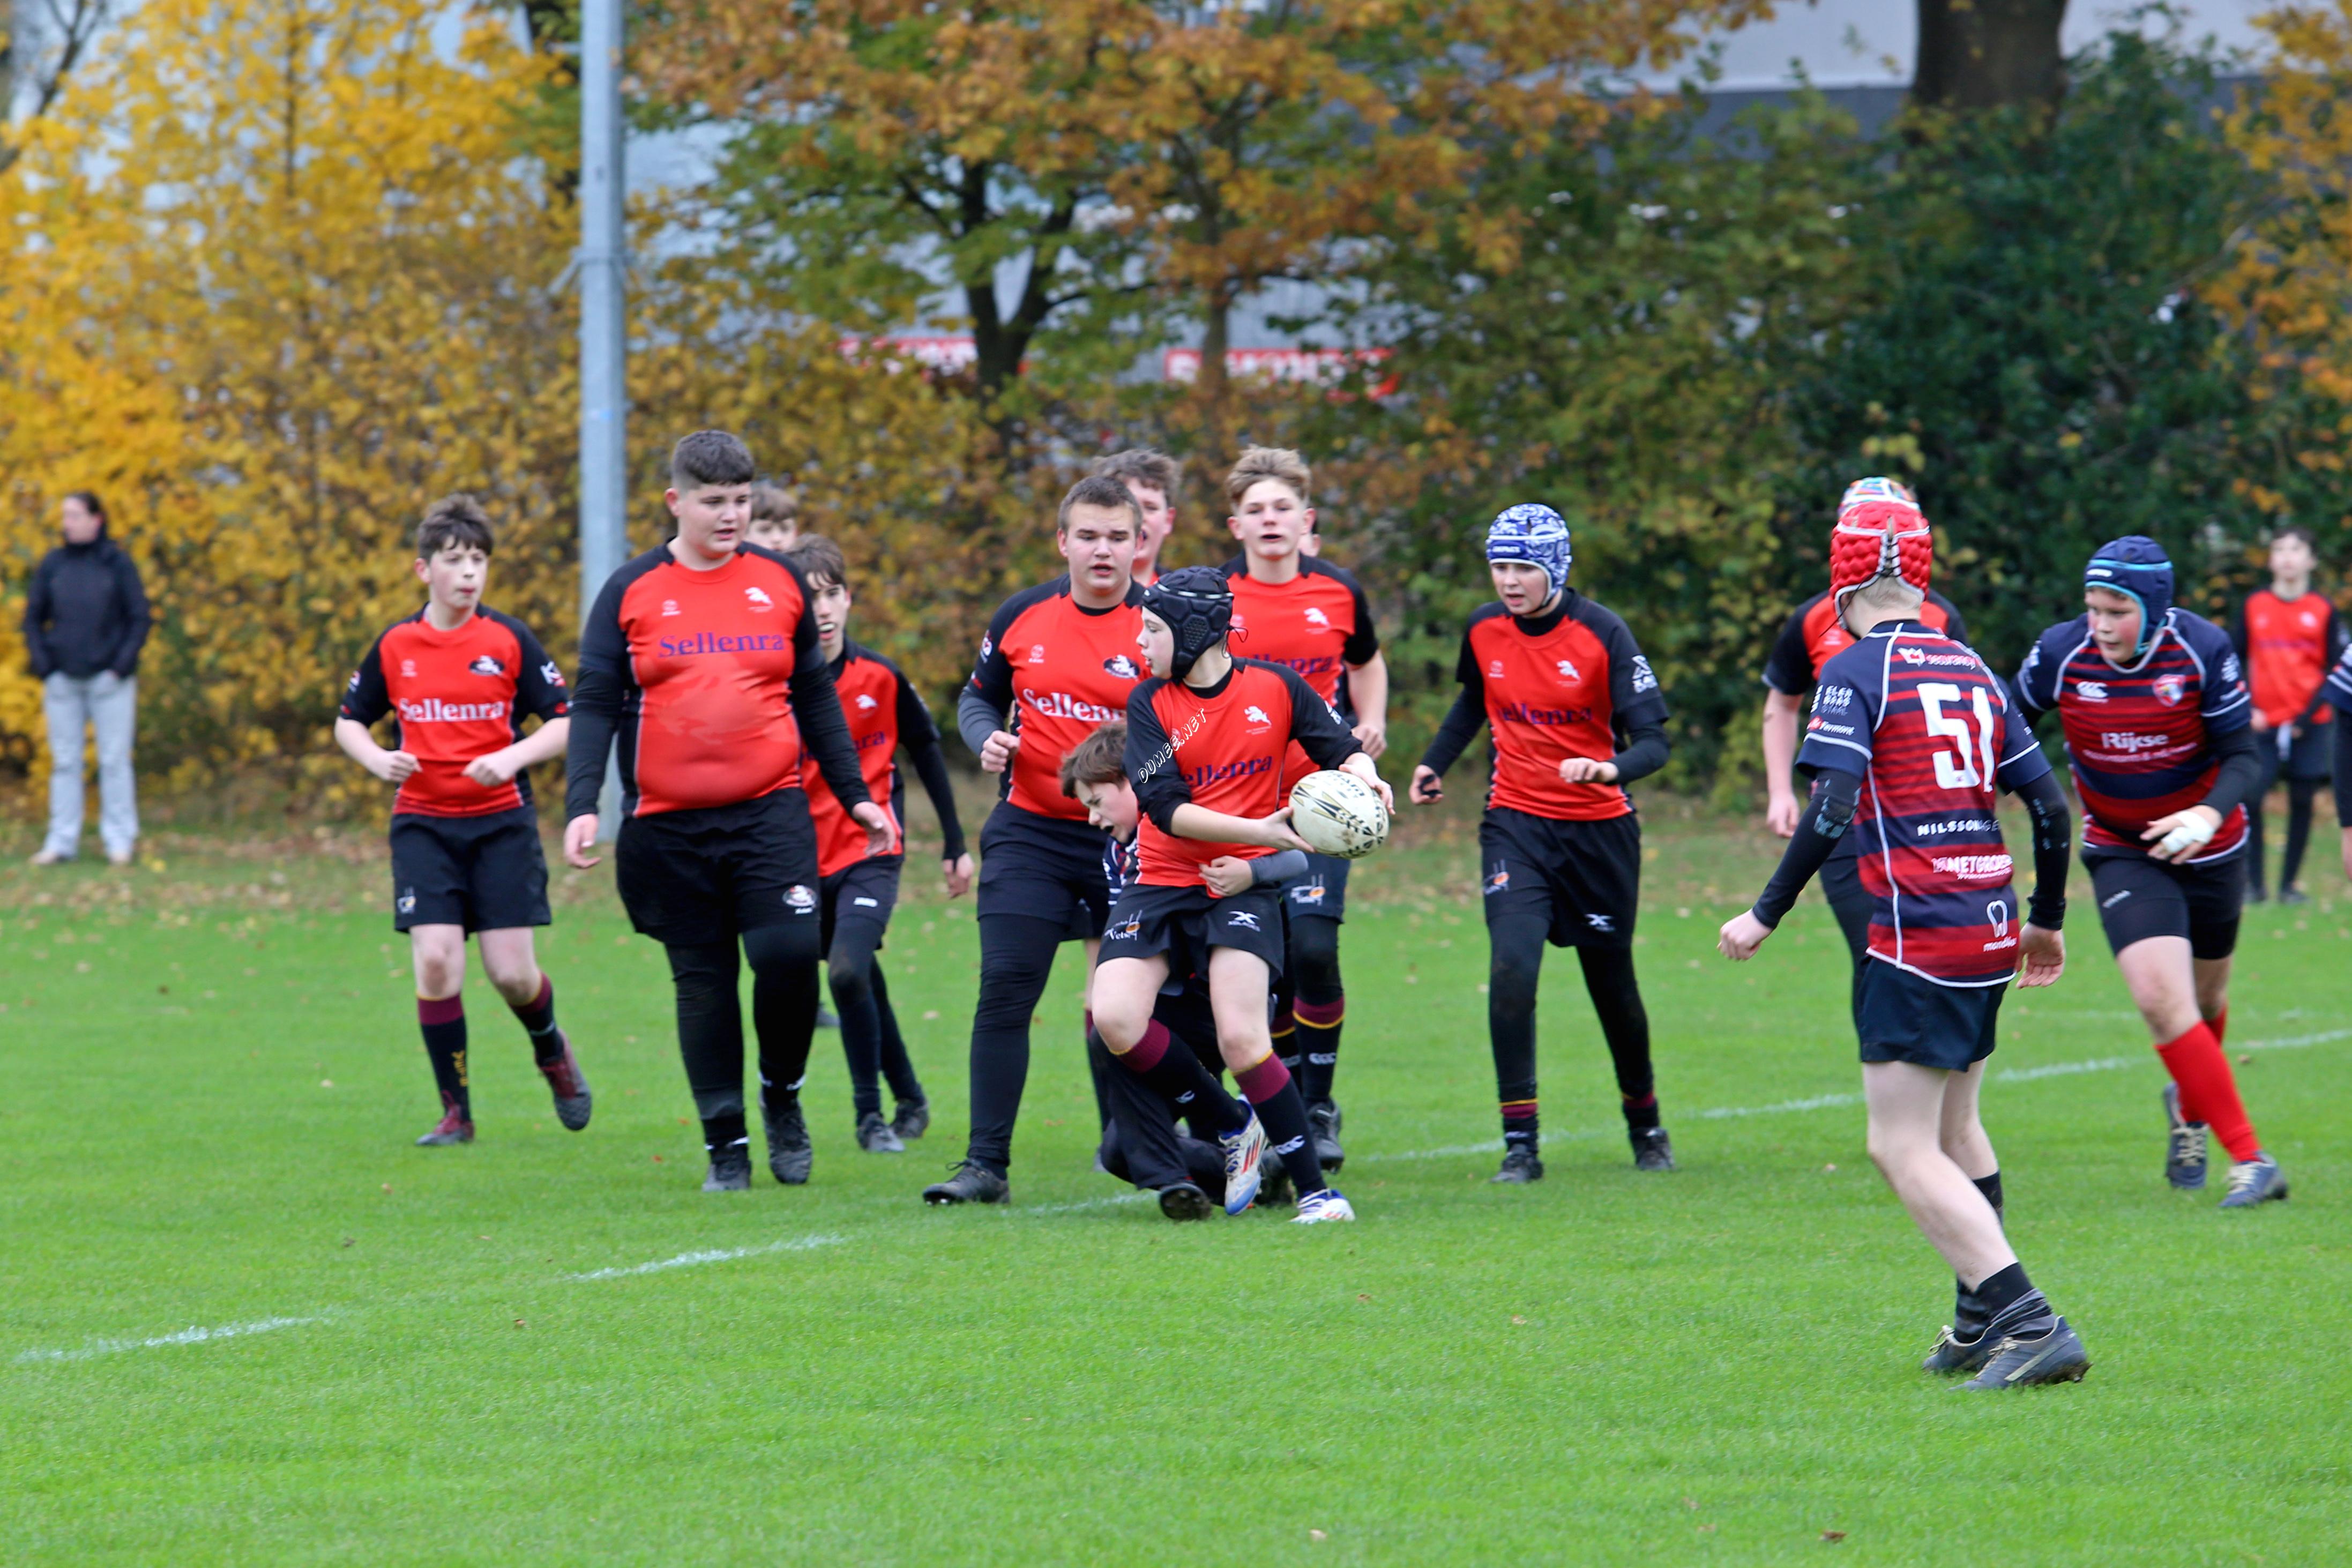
x=1910, y=735
x=466, y=860
x=1576, y=715
x=2288, y=634
x=701, y=658
x=2156, y=718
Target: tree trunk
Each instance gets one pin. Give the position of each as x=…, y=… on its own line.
x=1217, y=335
x=1983, y=54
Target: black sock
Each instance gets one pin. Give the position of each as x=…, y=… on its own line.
x=1321, y=1004
x=2299, y=793
x=725, y=1131
x=1641, y=1115
x=537, y=1017
x=1999, y=1291
x=442, y=1021
x=1286, y=1040
x=1990, y=1187
x=898, y=1068
x=1522, y=1128
x=1173, y=1070
x=1284, y=1115
x=1318, y=1045
x=784, y=1004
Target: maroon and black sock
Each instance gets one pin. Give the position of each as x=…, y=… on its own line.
x=1641, y=1113
x=1177, y=1076
x=1521, y=1127
x=537, y=1019
x=1284, y=1115
x=1286, y=1035
x=1318, y=1044
x=442, y=1021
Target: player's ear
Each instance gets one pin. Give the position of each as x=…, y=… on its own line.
x=422, y=568
x=670, y=498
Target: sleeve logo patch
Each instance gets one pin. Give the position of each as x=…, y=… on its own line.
x=1645, y=677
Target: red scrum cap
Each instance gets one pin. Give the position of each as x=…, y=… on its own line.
x=1880, y=533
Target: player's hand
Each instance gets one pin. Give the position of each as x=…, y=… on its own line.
x=1780, y=815
x=1373, y=737
x=1741, y=936
x=394, y=767
x=881, y=835
x=958, y=873
x=2182, y=834
x=1588, y=770
x=1227, y=875
x=2347, y=854
x=493, y=769
x=1276, y=833
x=996, y=752
x=579, y=838
x=1371, y=775
x=2044, y=953
x=1427, y=788
x=2261, y=725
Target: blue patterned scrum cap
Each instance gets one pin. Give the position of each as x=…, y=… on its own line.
x=1534, y=533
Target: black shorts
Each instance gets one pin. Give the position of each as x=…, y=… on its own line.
x=863, y=890
x=2139, y=897
x=1322, y=889
x=1583, y=877
x=1045, y=867
x=1186, y=923
x=484, y=873
x=692, y=878
x=1900, y=1016
x=2311, y=757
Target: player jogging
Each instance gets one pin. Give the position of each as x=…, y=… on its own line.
x=1058, y=660
x=1154, y=480
x=466, y=860
x=2155, y=719
x=1815, y=635
x=1576, y=715
x=1206, y=737
x=1910, y=736
x=2288, y=635
x=1294, y=610
x=2340, y=693
x=858, y=889
x=701, y=656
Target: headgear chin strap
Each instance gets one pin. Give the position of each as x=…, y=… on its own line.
x=1198, y=605
x=1536, y=534
x=2136, y=567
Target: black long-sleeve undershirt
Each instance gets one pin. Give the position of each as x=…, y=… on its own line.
x=2343, y=767
x=976, y=719
x=2240, y=771
x=929, y=760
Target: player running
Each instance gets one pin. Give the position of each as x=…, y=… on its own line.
x=1154, y=480
x=1910, y=735
x=2288, y=635
x=1293, y=610
x=1576, y=715
x=2339, y=692
x=701, y=657
x=2155, y=719
x=1060, y=658
x=1815, y=635
x=1206, y=742
x=858, y=890
x=466, y=860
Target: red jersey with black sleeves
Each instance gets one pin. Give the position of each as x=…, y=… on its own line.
x=1816, y=633
x=1930, y=730
x=713, y=683
x=2288, y=646
x=1220, y=748
x=1318, y=623
x=883, y=712
x=1566, y=684
x=2139, y=737
x=1064, y=671
x=458, y=695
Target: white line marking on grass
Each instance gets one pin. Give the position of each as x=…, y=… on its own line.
x=1083, y=1204
x=1818, y=1102
x=711, y=1255
x=2295, y=1042
x=190, y=1336
x=2068, y=1070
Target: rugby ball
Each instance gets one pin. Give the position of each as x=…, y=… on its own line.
x=1338, y=814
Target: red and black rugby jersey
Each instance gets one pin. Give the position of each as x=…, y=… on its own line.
x=1568, y=684
x=1220, y=747
x=883, y=711
x=1816, y=633
x=1318, y=623
x=2288, y=646
x=2139, y=737
x=1064, y=671
x=1930, y=730
x=714, y=683
x=458, y=695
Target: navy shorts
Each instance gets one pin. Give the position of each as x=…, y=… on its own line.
x=1584, y=879
x=2139, y=897
x=1046, y=867
x=484, y=873
x=1321, y=889
x=862, y=891
x=1185, y=922
x=689, y=879
x=1900, y=1016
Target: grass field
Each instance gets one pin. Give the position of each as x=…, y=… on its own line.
x=244, y=1322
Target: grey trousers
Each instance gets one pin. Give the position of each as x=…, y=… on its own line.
x=109, y=704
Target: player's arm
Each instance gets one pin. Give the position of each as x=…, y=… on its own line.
x=1455, y=733
x=2226, y=707
x=1227, y=875
x=539, y=693
x=1162, y=794
x=366, y=700
x=1828, y=814
x=1328, y=742
x=987, y=697
x=595, y=713
x=825, y=732
x=2344, y=773
x=920, y=738
x=1780, y=712
x=2332, y=639
x=1637, y=716
x=2024, y=771
x=1368, y=677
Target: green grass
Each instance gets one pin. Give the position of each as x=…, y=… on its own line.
x=213, y=1079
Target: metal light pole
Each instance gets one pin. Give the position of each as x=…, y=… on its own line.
x=603, y=264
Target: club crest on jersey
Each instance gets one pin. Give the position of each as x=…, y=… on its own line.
x=486, y=664
x=1242, y=919
x=1315, y=618
x=799, y=899
x=1036, y=653
x=866, y=700
x=1118, y=664
x=1254, y=714
x=1568, y=670
x=2091, y=690
x=758, y=599
x=2169, y=688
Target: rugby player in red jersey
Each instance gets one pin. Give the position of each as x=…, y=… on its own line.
x=1154, y=480
x=1058, y=660
x=1576, y=715
x=1292, y=609
x=1911, y=736
x=701, y=658
x=1206, y=739
x=859, y=890
x=2288, y=633
x=2155, y=716
x=466, y=859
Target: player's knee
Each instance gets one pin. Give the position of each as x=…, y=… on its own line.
x=1315, y=957
x=439, y=972
x=776, y=950
x=1120, y=1023
x=1512, y=980
x=851, y=971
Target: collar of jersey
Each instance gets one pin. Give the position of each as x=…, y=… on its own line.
x=1545, y=624
x=1897, y=628
x=1211, y=693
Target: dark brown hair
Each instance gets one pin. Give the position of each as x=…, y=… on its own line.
x=772, y=503
x=711, y=457
x=1142, y=465
x=453, y=520
x=1099, y=759
x=1097, y=491
x=819, y=560
x=89, y=503
x=2291, y=531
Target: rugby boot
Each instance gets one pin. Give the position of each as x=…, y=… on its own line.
x=2040, y=1348
x=1184, y=1201
x=1323, y=1123
x=2184, y=1147
x=1521, y=1166
x=2294, y=896
x=1244, y=1152
x=731, y=1169
x=569, y=1085
x=1652, y=1151
x=2251, y=1182
x=789, y=1153
x=912, y=1119
x=1275, y=1190
x=969, y=1184
x=1322, y=1207
x=453, y=1127
x=876, y=1137
x=1954, y=1354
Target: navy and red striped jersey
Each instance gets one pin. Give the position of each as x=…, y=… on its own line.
x=2139, y=739
x=1318, y=623
x=1566, y=684
x=1930, y=730
x=460, y=695
x=2338, y=692
x=1815, y=634
x=882, y=709
x=1064, y=671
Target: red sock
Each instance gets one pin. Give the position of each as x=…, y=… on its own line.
x=2220, y=1024
x=2209, y=1091
x=1263, y=1081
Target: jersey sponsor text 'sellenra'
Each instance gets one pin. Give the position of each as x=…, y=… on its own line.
x=458, y=695
x=1063, y=671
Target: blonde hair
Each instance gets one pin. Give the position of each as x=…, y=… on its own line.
x=1269, y=463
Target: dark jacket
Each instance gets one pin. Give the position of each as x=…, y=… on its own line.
x=86, y=611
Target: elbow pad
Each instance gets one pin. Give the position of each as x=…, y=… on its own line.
x=1832, y=811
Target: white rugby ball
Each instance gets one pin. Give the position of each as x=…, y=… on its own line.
x=1338, y=814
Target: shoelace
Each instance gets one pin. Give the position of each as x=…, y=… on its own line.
x=2245, y=1176
x=2189, y=1145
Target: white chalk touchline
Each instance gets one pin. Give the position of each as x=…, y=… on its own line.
x=190, y=1336
x=711, y=1255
